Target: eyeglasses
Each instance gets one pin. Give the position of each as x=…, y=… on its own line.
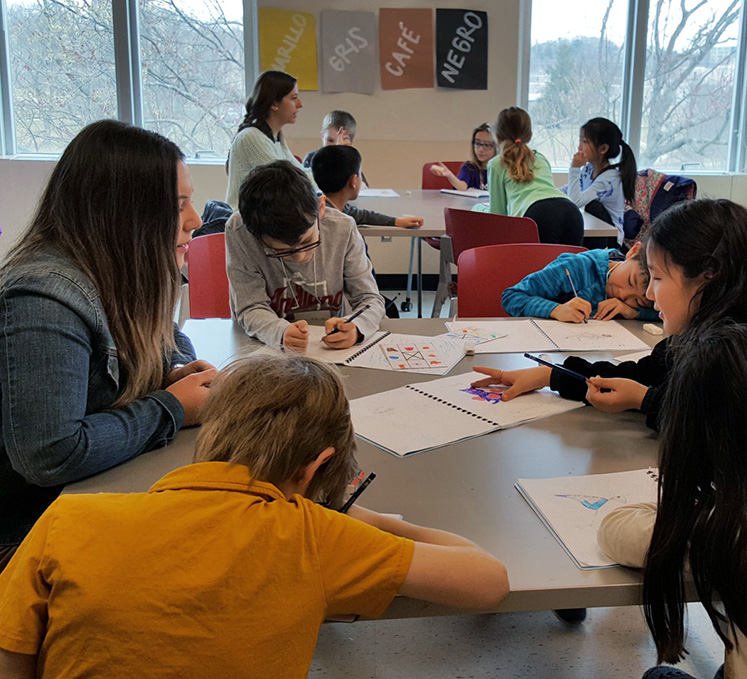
x=279, y=254
x=483, y=144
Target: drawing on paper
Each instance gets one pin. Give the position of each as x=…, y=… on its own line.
x=409, y=356
x=485, y=395
x=594, y=502
x=474, y=333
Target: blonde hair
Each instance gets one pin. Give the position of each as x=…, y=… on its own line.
x=275, y=413
x=514, y=131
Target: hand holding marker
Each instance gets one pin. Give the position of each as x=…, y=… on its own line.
x=573, y=287
x=564, y=370
x=351, y=319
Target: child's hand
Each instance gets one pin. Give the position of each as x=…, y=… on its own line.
x=177, y=374
x=409, y=222
x=609, y=308
x=440, y=170
x=518, y=381
x=579, y=159
x=296, y=336
x=346, y=335
x=573, y=311
x=192, y=392
x=343, y=138
x=621, y=394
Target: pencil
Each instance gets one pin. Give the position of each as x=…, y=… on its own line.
x=351, y=319
x=357, y=493
x=564, y=370
x=573, y=287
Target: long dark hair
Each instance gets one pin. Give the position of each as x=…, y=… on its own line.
x=270, y=88
x=702, y=514
x=111, y=206
x=600, y=131
x=514, y=131
x=706, y=236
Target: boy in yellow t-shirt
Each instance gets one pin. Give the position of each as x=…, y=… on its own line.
x=227, y=567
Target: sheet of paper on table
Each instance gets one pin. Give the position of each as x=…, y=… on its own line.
x=378, y=193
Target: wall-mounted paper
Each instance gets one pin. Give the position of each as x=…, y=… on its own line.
x=287, y=42
x=406, y=48
x=348, y=51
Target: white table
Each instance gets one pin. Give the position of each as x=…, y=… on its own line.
x=467, y=487
x=430, y=205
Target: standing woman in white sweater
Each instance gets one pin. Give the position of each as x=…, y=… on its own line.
x=274, y=103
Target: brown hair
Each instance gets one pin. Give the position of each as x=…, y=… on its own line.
x=514, y=131
x=111, y=207
x=275, y=413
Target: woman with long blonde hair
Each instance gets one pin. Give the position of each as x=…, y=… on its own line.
x=92, y=369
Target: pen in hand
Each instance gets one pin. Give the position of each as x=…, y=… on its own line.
x=573, y=287
x=351, y=319
x=357, y=493
x=563, y=369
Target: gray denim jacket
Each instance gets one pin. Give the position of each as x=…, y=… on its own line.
x=59, y=375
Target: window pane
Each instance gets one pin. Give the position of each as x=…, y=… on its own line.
x=62, y=70
x=690, y=69
x=576, y=68
x=192, y=57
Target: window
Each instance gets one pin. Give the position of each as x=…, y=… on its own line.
x=193, y=72
x=576, y=71
x=687, y=72
x=62, y=70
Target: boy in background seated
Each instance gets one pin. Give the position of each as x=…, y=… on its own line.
x=227, y=567
x=608, y=283
x=338, y=129
x=290, y=260
x=337, y=172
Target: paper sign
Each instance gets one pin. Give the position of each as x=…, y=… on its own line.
x=348, y=51
x=462, y=49
x=287, y=42
x=406, y=48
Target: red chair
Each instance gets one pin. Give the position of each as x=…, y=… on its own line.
x=465, y=230
x=485, y=272
x=432, y=181
x=208, y=281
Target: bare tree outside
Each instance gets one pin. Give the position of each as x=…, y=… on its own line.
x=63, y=75
x=688, y=85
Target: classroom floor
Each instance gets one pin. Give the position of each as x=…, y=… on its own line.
x=613, y=643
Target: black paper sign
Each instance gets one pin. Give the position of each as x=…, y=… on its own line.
x=462, y=49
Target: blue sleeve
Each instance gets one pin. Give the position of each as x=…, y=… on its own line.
x=51, y=432
x=648, y=314
x=185, y=352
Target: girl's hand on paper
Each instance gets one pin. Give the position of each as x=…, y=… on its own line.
x=192, y=392
x=573, y=311
x=346, y=335
x=609, y=308
x=296, y=336
x=409, y=222
x=176, y=374
x=518, y=381
x=619, y=394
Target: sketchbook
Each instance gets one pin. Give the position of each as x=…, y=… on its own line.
x=390, y=351
x=468, y=193
x=539, y=334
x=572, y=507
x=424, y=416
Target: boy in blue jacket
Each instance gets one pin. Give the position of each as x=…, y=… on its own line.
x=608, y=284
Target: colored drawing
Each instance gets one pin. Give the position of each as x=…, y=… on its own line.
x=486, y=395
x=408, y=356
x=595, y=503
x=474, y=333
x=588, y=501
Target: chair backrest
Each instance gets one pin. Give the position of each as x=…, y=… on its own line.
x=432, y=181
x=208, y=281
x=485, y=272
x=469, y=229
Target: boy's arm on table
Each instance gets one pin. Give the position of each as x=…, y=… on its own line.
x=365, y=217
x=446, y=568
x=360, y=287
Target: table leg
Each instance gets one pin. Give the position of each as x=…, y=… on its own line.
x=420, y=278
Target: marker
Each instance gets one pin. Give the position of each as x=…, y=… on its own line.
x=351, y=319
x=357, y=493
x=573, y=287
x=570, y=373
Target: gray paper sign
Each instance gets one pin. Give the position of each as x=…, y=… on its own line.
x=349, y=51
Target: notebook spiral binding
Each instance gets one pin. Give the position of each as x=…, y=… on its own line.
x=350, y=359
x=653, y=475
x=547, y=337
x=451, y=405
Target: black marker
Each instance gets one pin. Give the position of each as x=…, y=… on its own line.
x=570, y=373
x=357, y=493
x=350, y=320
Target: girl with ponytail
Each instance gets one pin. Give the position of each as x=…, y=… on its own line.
x=594, y=182
x=520, y=183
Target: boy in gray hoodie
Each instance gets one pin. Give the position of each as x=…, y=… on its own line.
x=291, y=258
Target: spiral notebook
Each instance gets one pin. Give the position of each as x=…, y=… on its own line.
x=391, y=351
x=572, y=507
x=538, y=334
x=428, y=415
